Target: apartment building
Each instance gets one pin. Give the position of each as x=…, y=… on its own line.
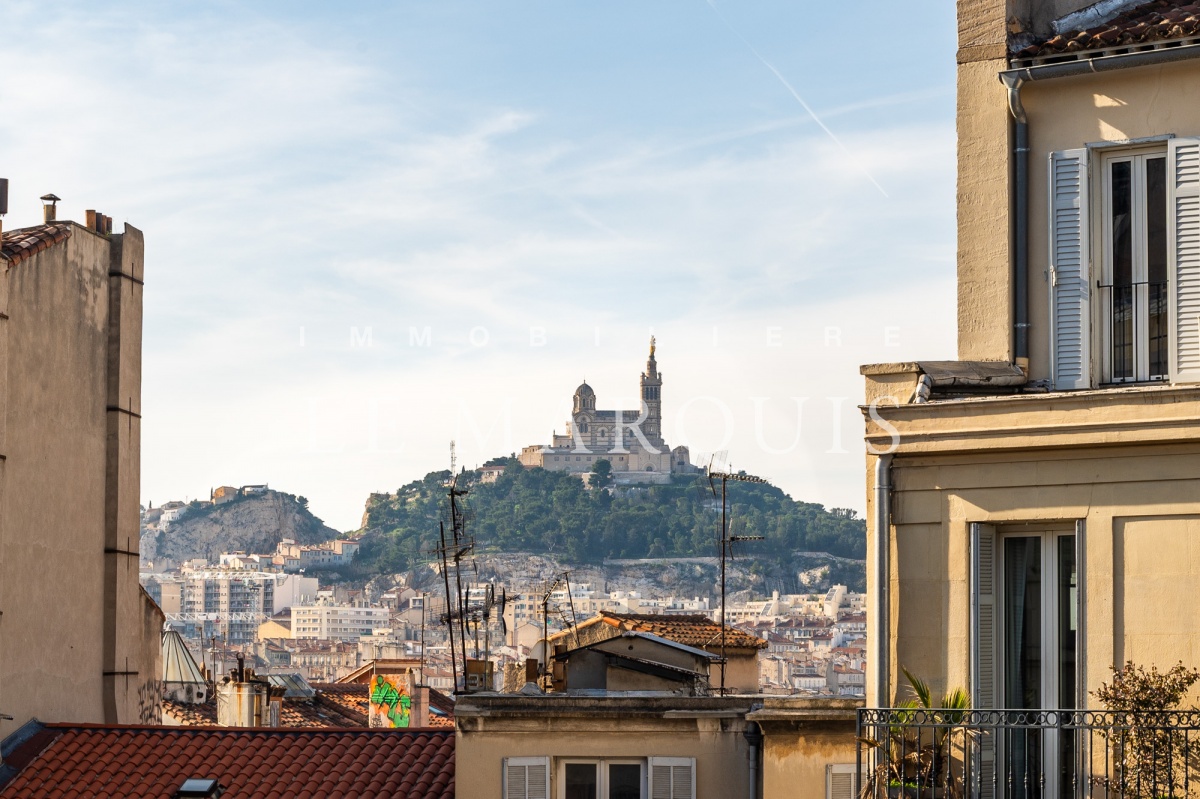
x=338, y=622
x=1033, y=504
x=70, y=463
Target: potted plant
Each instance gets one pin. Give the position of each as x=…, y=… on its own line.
x=916, y=757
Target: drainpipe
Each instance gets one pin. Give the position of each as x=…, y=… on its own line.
x=1020, y=259
x=754, y=737
x=881, y=609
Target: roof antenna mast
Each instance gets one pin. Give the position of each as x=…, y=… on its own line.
x=727, y=541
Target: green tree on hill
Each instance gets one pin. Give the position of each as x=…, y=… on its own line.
x=534, y=510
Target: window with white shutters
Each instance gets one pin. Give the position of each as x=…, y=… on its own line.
x=1133, y=310
x=527, y=778
x=672, y=778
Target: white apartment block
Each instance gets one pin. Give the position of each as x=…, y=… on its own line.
x=338, y=622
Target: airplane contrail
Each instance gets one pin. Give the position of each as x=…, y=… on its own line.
x=795, y=94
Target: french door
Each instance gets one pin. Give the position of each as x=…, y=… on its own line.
x=1027, y=633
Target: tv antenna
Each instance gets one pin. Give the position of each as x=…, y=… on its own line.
x=552, y=586
x=727, y=541
x=453, y=550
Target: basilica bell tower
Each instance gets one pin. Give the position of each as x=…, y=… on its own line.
x=652, y=400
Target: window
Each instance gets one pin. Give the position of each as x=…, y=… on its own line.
x=672, y=778
x=1133, y=281
x=1142, y=320
x=526, y=778
x=601, y=779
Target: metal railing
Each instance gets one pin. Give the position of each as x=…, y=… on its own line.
x=1027, y=754
x=1136, y=315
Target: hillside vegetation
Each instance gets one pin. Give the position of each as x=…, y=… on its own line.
x=539, y=511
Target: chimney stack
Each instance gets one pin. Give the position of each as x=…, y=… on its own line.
x=49, y=208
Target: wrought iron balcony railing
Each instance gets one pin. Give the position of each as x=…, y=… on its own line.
x=1027, y=754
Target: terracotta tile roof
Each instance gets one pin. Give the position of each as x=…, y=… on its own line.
x=65, y=760
x=189, y=715
x=440, y=702
x=321, y=712
x=698, y=631
x=1146, y=24
x=26, y=242
x=352, y=699
x=349, y=698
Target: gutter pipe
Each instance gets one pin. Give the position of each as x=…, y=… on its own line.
x=881, y=608
x=1021, y=222
x=754, y=738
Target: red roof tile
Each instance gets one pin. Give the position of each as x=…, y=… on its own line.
x=26, y=242
x=320, y=712
x=698, y=631
x=1157, y=21
x=91, y=760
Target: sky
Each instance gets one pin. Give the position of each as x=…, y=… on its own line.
x=376, y=228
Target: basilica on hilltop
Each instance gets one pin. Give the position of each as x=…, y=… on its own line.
x=631, y=441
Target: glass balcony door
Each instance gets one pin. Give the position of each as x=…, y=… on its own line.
x=1039, y=650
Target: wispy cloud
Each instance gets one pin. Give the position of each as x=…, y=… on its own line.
x=297, y=191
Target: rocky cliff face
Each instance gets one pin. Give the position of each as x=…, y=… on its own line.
x=252, y=524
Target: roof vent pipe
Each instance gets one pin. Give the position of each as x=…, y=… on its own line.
x=49, y=209
x=1020, y=259
x=3, y=202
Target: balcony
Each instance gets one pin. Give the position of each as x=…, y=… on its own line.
x=1027, y=754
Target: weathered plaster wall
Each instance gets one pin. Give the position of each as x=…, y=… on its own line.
x=984, y=280
x=72, y=615
x=801, y=738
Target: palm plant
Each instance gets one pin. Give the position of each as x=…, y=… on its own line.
x=918, y=743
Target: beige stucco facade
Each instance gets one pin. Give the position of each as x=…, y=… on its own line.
x=1125, y=463
x=784, y=745
x=801, y=740
x=79, y=638
x=1117, y=466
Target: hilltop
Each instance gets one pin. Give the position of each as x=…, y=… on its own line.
x=555, y=514
x=253, y=523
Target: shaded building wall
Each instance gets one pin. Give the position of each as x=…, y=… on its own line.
x=492, y=728
x=75, y=634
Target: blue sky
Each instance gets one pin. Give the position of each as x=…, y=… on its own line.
x=542, y=185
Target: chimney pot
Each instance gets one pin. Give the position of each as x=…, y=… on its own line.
x=3, y=196
x=49, y=207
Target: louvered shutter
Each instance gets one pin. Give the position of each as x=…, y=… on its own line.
x=672, y=778
x=1070, y=270
x=526, y=778
x=1183, y=204
x=983, y=647
x=840, y=782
